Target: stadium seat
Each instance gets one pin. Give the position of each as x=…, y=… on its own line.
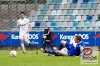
x=88, y=6
x=95, y=18
x=40, y=29
x=30, y=18
x=56, y=6
x=77, y=6
x=64, y=2
x=75, y=12
x=53, y=12
x=67, y=29
x=96, y=28
x=32, y=13
x=86, y=12
x=8, y=28
x=51, y=18
x=91, y=1
x=51, y=6
x=40, y=7
x=64, y=12
x=45, y=18
x=67, y=18
x=15, y=24
x=73, y=29
x=66, y=6
x=38, y=12
x=31, y=29
x=83, y=18
x=69, y=24
x=56, y=18
x=32, y=24
x=34, y=29
x=59, y=1
x=59, y=12
x=61, y=18
x=83, y=6
x=61, y=7
x=78, y=18
x=94, y=6
x=52, y=29
x=98, y=23
x=69, y=12
x=81, y=24
x=54, y=2
x=42, y=24
x=48, y=12
x=48, y=24
x=91, y=12
x=46, y=7
x=62, y=29
x=92, y=23
x=89, y=18
x=79, y=28
x=53, y=24
x=84, y=29
x=98, y=7
x=35, y=18
x=75, y=1
x=43, y=12
x=90, y=28
x=80, y=1
x=48, y=1
x=59, y=24
x=72, y=18
x=40, y=18
x=64, y=24
x=56, y=28
x=87, y=24
x=80, y=12
x=69, y=1
x=37, y=24
x=72, y=6
x=85, y=1
x=75, y=24
x=97, y=12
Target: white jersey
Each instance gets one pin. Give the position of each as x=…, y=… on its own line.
x=24, y=25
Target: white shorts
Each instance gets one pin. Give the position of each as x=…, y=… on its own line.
x=23, y=36
x=64, y=51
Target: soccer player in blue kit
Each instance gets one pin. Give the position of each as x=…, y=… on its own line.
x=73, y=48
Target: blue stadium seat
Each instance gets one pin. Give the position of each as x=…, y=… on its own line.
x=80, y=1
x=72, y=6
x=15, y=24
x=85, y=1
x=79, y=29
x=8, y=28
x=42, y=24
x=94, y=6
x=59, y=1
x=53, y=24
x=89, y=18
x=73, y=29
x=83, y=6
x=56, y=6
x=51, y=18
x=75, y=1
x=40, y=18
x=37, y=24
x=75, y=24
x=54, y=2
x=72, y=18
x=46, y=7
x=62, y=29
x=56, y=28
x=91, y=1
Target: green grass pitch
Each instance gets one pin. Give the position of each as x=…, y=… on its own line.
x=30, y=58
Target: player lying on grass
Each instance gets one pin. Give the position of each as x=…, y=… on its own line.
x=73, y=48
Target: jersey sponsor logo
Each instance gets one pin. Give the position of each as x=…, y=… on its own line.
x=63, y=37
x=22, y=24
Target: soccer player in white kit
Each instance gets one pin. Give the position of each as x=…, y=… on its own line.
x=24, y=25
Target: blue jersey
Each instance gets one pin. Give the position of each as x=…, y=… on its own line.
x=73, y=50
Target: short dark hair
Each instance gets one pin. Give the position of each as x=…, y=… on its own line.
x=22, y=13
x=78, y=37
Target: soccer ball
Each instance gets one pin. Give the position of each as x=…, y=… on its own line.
x=13, y=53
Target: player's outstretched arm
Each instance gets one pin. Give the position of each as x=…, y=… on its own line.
x=16, y=29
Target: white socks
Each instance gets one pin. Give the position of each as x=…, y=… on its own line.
x=23, y=48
